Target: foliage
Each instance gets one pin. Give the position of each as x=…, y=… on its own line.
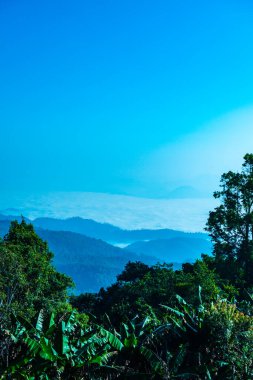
x=217, y=337
x=231, y=225
x=140, y=289
x=209, y=341
x=57, y=349
x=28, y=280
x=152, y=323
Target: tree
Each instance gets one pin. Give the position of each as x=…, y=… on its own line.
x=133, y=271
x=28, y=280
x=230, y=225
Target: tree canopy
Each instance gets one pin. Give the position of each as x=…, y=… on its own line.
x=230, y=225
x=28, y=280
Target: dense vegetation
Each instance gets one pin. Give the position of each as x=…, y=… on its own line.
x=152, y=323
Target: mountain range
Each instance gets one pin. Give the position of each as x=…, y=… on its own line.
x=179, y=249
x=109, y=232
x=83, y=248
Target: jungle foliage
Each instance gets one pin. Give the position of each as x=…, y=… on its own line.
x=152, y=323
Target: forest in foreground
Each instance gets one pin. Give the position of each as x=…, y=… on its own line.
x=152, y=323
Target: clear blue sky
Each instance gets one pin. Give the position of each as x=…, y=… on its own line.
x=90, y=89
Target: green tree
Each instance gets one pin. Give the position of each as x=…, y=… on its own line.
x=230, y=225
x=28, y=280
x=133, y=271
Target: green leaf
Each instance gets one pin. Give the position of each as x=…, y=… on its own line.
x=208, y=374
x=131, y=341
x=71, y=322
x=143, y=324
x=51, y=321
x=47, y=352
x=179, y=357
x=103, y=358
x=200, y=295
x=39, y=323
x=32, y=344
x=175, y=311
x=112, y=339
x=155, y=362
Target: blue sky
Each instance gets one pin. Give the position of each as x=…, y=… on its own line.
x=115, y=96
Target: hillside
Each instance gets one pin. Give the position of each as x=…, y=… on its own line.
x=92, y=263
x=177, y=249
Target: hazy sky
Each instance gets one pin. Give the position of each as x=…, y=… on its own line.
x=136, y=97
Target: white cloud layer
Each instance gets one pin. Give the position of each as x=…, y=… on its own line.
x=120, y=210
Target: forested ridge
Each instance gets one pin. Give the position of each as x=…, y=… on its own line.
x=76, y=253
x=154, y=322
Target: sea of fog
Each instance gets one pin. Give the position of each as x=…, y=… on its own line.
x=124, y=211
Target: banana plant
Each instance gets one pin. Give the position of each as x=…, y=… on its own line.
x=187, y=323
x=137, y=356
x=58, y=348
